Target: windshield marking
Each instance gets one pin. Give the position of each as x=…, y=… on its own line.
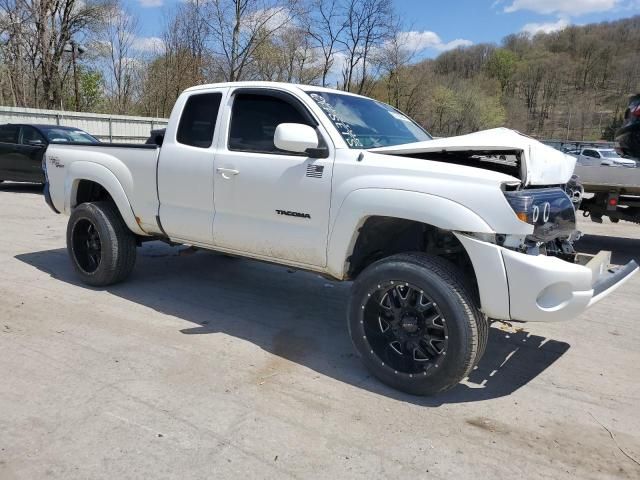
x=367, y=123
x=344, y=128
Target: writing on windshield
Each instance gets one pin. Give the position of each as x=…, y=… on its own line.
x=366, y=123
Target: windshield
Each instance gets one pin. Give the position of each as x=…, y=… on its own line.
x=366, y=123
x=56, y=135
x=609, y=153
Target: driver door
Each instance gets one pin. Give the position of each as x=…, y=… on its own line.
x=270, y=203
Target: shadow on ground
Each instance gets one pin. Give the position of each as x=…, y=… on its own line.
x=622, y=249
x=297, y=316
x=14, y=187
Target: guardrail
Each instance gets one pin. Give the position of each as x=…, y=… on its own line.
x=112, y=128
x=577, y=144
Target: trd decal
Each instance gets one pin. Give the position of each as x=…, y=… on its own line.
x=293, y=214
x=56, y=162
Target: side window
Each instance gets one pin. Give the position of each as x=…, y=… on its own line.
x=30, y=136
x=254, y=119
x=588, y=153
x=198, y=121
x=9, y=134
x=596, y=154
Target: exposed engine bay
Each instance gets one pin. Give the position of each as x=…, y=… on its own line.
x=506, y=161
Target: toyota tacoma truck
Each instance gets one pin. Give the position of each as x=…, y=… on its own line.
x=438, y=236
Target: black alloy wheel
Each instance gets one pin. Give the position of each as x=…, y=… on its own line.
x=86, y=245
x=413, y=320
x=405, y=328
x=101, y=246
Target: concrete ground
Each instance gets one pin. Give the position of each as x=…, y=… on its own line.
x=203, y=366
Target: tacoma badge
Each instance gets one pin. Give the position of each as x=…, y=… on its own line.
x=293, y=214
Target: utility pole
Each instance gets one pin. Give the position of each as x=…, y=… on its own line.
x=74, y=55
x=76, y=51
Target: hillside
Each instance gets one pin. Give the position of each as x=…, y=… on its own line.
x=569, y=84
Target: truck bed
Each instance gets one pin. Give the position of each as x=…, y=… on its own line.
x=601, y=178
x=131, y=168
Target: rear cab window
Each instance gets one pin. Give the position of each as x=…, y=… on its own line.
x=198, y=121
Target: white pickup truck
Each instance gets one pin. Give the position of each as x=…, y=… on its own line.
x=438, y=236
x=607, y=157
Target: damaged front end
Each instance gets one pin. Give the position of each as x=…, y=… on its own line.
x=528, y=270
x=546, y=279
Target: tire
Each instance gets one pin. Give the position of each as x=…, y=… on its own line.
x=415, y=324
x=101, y=246
x=482, y=321
x=483, y=336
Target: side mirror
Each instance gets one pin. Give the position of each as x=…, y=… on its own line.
x=295, y=137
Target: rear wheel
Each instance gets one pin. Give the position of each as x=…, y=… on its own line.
x=414, y=323
x=101, y=246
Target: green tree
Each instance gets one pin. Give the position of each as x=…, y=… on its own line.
x=444, y=109
x=91, y=89
x=502, y=65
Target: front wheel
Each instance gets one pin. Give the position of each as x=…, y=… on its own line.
x=101, y=246
x=414, y=323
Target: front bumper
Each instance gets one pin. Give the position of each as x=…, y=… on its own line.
x=537, y=288
x=608, y=278
x=547, y=289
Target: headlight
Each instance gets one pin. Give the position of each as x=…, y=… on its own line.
x=549, y=210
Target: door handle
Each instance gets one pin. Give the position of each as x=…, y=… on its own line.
x=227, y=173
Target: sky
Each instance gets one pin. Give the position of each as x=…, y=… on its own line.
x=434, y=26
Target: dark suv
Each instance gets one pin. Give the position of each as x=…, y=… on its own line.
x=628, y=136
x=22, y=147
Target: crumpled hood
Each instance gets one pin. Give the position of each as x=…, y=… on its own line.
x=542, y=165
